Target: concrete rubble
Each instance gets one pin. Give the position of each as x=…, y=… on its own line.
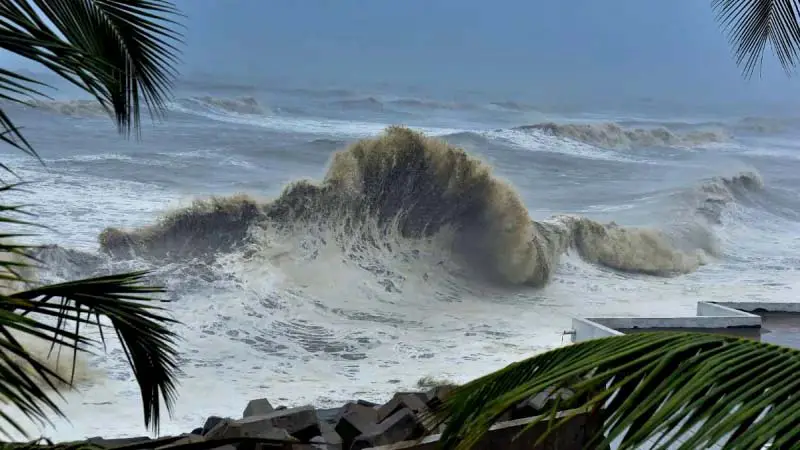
x=358, y=425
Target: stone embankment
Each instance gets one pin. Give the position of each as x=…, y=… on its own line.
x=399, y=423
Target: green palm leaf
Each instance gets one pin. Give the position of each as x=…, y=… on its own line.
x=144, y=331
x=662, y=389
x=120, y=51
x=751, y=24
x=58, y=313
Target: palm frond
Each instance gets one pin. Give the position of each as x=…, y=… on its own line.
x=141, y=326
x=16, y=260
x=59, y=314
x=120, y=51
x=751, y=24
x=22, y=375
x=686, y=389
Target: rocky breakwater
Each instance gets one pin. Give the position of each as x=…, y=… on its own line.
x=399, y=423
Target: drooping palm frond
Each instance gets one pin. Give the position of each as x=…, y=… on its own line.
x=120, y=51
x=144, y=331
x=59, y=314
x=751, y=24
x=686, y=389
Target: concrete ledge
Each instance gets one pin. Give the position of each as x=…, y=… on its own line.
x=592, y=329
x=627, y=323
x=722, y=310
x=745, y=319
x=754, y=307
x=572, y=435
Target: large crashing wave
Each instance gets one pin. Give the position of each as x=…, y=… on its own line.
x=403, y=186
x=612, y=135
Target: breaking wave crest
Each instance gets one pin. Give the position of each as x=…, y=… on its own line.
x=613, y=136
x=393, y=191
x=239, y=105
x=720, y=191
x=374, y=104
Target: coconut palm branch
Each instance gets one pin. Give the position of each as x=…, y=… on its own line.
x=654, y=390
x=58, y=313
x=752, y=24
x=122, y=52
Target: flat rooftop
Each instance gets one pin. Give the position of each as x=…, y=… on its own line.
x=773, y=322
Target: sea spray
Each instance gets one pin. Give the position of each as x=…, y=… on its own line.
x=405, y=186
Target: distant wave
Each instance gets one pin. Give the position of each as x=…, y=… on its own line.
x=321, y=93
x=74, y=108
x=511, y=106
x=327, y=141
x=240, y=105
x=389, y=195
x=398, y=104
x=766, y=125
x=93, y=108
x=612, y=135
x=430, y=104
x=368, y=103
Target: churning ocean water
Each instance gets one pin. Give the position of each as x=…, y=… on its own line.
x=324, y=271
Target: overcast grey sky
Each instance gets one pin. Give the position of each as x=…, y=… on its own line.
x=531, y=48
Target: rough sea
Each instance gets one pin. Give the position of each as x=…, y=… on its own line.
x=316, y=278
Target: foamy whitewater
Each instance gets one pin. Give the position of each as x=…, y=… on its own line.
x=316, y=254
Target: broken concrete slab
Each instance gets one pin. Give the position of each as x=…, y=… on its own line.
x=329, y=415
x=328, y=439
x=414, y=401
x=218, y=429
x=211, y=422
x=355, y=420
x=367, y=413
x=400, y=426
x=540, y=403
x=256, y=426
x=367, y=403
x=438, y=394
x=257, y=407
x=301, y=422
